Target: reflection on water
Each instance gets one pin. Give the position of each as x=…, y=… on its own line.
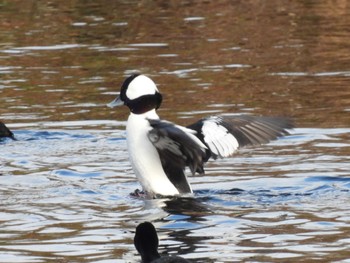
x=65, y=196
x=65, y=182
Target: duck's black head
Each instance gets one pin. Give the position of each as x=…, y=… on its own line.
x=139, y=93
x=146, y=242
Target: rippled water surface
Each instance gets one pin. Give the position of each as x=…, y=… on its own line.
x=65, y=183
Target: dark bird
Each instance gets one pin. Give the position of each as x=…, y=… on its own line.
x=5, y=132
x=146, y=243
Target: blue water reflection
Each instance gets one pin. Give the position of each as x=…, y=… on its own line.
x=86, y=179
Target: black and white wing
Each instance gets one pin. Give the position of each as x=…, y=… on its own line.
x=223, y=135
x=177, y=147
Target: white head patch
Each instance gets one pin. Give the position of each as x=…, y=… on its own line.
x=139, y=86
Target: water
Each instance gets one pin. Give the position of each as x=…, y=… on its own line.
x=65, y=196
x=65, y=184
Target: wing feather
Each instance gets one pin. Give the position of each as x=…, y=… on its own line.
x=177, y=147
x=225, y=134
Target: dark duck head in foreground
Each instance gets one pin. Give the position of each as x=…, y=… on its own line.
x=146, y=242
x=160, y=150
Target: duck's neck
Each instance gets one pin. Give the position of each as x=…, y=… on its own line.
x=151, y=114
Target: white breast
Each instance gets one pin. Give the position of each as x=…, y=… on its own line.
x=144, y=156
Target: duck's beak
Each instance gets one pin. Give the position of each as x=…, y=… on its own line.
x=116, y=102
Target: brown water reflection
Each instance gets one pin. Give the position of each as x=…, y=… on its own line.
x=275, y=57
x=64, y=184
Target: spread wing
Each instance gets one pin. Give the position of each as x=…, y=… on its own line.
x=177, y=147
x=223, y=135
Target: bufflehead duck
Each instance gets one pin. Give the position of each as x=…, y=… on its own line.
x=146, y=243
x=159, y=150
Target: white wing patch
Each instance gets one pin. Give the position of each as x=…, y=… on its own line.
x=219, y=140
